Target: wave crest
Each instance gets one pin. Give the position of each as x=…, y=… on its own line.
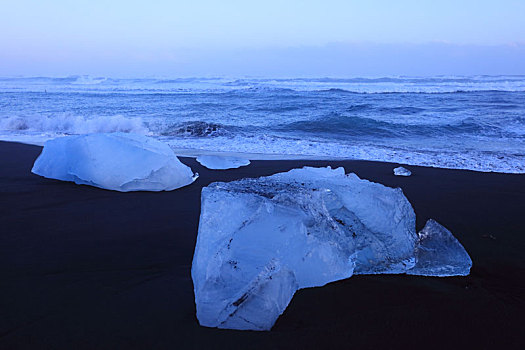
x=71, y=124
x=348, y=125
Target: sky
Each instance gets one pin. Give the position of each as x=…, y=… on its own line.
x=264, y=38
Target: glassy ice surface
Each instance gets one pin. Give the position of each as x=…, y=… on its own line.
x=221, y=163
x=439, y=253
x=117, y=161
x=400, y=171
x=262, y=239
x=299, y=229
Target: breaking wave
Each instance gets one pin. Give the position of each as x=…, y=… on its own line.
x=71, y=124
x=431, y=85
x=362, y=118
x=348, y=125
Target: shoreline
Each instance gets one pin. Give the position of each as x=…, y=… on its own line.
x=83, y=267
x=195, y=152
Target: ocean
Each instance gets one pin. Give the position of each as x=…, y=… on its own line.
x=475, y=123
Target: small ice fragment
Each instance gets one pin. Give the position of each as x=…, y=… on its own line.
x=114, y=161
x=439, y=253
x=222, y=163
x=400, y=171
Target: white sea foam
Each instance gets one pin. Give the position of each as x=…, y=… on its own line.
x=444, y=84
x=72, y=124
x=294, y=118
x=266, y=147
x=89, y=80
x=262, y=147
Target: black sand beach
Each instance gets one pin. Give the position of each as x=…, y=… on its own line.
x=85, y=268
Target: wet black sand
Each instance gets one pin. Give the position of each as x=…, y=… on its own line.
x=85, y=268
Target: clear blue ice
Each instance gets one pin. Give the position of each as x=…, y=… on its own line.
x=260, y=240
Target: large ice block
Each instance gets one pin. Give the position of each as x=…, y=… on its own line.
x=114, y=161
x=261, y=239
x=439, y=253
